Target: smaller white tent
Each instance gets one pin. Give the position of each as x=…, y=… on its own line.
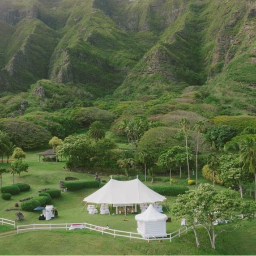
x=151, y=223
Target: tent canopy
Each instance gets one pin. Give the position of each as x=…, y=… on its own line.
x=124, y=192
x=150, y=215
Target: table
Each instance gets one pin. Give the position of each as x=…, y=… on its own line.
x=76, y=226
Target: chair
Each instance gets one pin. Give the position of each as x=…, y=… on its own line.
x=19, y=216
x=104, y=209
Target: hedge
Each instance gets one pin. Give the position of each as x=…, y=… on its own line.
x=54, y=193
x=44, y=200
x=77, y=185
x=6, y=196
x=13, y=189
x=23, y=187
x=170, y=190
x=30, y=205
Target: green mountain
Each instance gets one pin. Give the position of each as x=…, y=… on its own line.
x=203, y=51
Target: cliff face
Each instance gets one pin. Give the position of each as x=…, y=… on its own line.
x=129, y=47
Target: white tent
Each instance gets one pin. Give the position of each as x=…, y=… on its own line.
x=125, y=193
x=151, y=223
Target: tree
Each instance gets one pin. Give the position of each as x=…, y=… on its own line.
x=18, y=167
x=2, y=171
x=167, y=160
x=248, y=157
x=219, y=135
x=213, y=163
x=231, y=173
x=184, y=124
x=199, y=128
x=55, y=142
x=143, y=157
x=18, y=153
x=96, y=131
x=25, y=134
x=207, y=207
x=4, y=141
x=126, y=164
x=10, y=150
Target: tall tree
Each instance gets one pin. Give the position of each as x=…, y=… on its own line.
x=10, y=150
x=248, y=157
x=167, y=160
x=2, y=171
x=213, y=164
x=4, y=141
x=199, y=128
x=184, y=125
x=143, y=158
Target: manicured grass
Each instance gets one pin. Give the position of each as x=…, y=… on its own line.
x=84, y=242
x=71, y=209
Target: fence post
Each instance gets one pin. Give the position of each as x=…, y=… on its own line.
x=170, y=237
x=17, y=229
x=114, y=233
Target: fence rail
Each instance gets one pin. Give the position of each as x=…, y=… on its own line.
x=7, y=222
x=100, y=229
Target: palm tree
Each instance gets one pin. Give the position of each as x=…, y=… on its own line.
x=2, y=171
x=184, y=124
x=96, y=131
x=9, y=150
x=248, y=157
x=143, y=159
x=199, y=128
x=167, y=160
x=126, y=164
x=213, y=164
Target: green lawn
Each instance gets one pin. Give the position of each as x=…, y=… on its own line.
x=72, y=209
x=84, y=242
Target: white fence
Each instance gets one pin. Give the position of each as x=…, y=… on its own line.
x=7, y=222
x=102, y=230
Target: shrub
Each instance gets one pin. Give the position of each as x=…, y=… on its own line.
x=207, y=174
x=77, y=185
x=169, y=190
x=23, y=187
x=45, y=194
x=54, y=193
x=13, y=189
x=122, y=177
x=30, y=205
x=191, y=182
x=44, y=200
x=6, y=196
x=102, y=184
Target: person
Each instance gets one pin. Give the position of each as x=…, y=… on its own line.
x=107, y=227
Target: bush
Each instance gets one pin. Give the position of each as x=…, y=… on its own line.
x=169, y=190
x=30, y=205
x=6, y=196
x=122, y=177
x=44, y=200
x=101, y=185
x=207, y=174
x=23, y=187
x=77, y=185
x=191, y=182
x=45, y=194
x=13, y=189
x=54, y=193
